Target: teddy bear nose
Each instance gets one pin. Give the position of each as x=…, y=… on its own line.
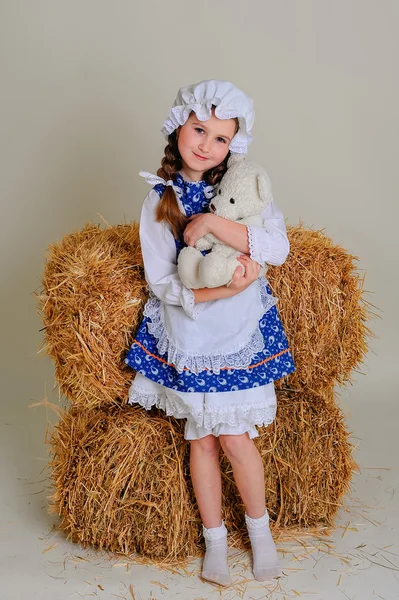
x=232, y=201
x=213, y=207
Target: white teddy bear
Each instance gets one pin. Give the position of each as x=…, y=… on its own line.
x=242, y=195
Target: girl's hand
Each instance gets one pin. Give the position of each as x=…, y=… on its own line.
x=198, y=227
x=240, y=282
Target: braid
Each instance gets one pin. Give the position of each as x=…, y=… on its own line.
x=168, y=210
x=171, y=162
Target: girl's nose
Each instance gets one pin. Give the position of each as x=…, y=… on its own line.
x=204, y=146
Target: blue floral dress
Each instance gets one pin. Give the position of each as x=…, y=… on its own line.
x=230, y=390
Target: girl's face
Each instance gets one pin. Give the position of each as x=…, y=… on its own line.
x=204, y=144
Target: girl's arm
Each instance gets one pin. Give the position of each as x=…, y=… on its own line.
x=159, y=256
x=232, y=234
x=264, y=244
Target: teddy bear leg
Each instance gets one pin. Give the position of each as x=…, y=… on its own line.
x=216, y=270
x=188, y=267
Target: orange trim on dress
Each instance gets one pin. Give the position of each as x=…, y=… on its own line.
x=222, y=369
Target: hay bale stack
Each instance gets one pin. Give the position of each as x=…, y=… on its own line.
x=121, y=476
x=94, y=290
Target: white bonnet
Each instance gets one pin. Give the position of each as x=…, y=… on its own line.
x=230, y=103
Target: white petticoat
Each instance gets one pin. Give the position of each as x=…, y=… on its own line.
x=216, y=413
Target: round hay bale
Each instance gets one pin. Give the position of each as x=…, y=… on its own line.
x=323, y=309
x=122, y=481
x=94, y=290
x=93, y=293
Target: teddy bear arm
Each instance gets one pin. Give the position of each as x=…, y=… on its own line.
x=206, y=242
x=225, y=251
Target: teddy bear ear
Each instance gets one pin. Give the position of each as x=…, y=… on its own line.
x=234, y=159
x=264, y=187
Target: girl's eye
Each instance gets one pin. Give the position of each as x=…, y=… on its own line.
x=198, y=129
x=220, y=139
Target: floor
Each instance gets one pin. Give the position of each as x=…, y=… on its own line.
x=360, y=560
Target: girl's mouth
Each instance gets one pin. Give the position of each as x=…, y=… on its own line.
x=200, y=157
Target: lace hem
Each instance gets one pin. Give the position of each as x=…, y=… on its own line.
x=236, y=359
x=234, y=414
x=268, y=301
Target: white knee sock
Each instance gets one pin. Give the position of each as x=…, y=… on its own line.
x=265, y=561
x=215, y=567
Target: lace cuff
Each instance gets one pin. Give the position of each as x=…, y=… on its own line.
x=267, y=245
x=254, y=250
x=191, y=309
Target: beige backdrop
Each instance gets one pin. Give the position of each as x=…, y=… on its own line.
x=86, y=85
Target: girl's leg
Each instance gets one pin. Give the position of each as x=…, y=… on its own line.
x=248, y=471
x=206, y=478
x=249, y=477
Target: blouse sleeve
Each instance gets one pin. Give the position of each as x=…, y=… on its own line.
x=159, y=256
x=269, y=243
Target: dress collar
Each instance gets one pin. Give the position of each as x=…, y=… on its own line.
x=195, y=196
x=189, y=186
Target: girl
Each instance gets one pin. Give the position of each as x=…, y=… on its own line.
x=211, y=355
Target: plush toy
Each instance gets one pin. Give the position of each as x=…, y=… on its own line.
x=241, y=196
